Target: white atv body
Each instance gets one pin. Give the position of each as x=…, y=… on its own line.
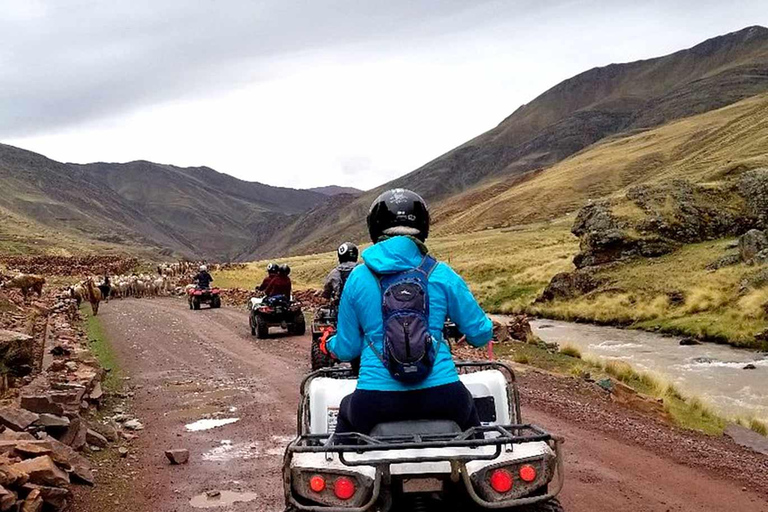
x=504, y=464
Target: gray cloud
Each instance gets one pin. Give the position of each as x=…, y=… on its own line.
x=65, y=62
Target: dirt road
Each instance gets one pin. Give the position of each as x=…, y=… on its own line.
x=188, y=365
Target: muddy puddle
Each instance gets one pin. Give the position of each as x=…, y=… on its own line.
x=213, y=499
x=714, y=372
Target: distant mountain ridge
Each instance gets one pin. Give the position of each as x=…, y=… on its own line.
x=196, y=211
x=334, y=190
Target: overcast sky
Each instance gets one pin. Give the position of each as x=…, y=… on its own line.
x=314, y=92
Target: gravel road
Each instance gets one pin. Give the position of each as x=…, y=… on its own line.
x=184, y=366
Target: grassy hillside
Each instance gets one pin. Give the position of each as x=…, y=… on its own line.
x=701, y=148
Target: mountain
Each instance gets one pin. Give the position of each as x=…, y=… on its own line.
x=334, y=190
x=610, y=101
x=185, y=211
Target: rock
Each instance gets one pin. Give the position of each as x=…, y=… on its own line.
x=75, y=436
x=753, y=187
x=108, y=430
x=97, y=392
x=7, y=499
x=50, y=421
x=43, y=471
x=750, y=366
x=133, y=424
x=71, y=366
x=10, y=435
x=567, y=285
x=689, y=341
x=123, y=451
x=519, y=328
x=17, y=419
x=33, y=502
x=761, y=258
x=56, y=366
x=676, y=298
x=12, y=337
x=70, y=460
x=41, y=404
x=748, y=438
x=751, y=243
x=726, y=260
x=10, y=477
x=95, y=439
x=55, y=497
x=26, y=449
x=177, y=456
x=606, y=384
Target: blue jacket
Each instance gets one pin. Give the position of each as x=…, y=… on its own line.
x=361, y=321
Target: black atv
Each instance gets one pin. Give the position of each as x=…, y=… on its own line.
x=278, y=311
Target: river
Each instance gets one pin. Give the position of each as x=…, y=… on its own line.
x=713, y=372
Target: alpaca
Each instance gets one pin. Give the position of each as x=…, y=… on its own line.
x=93, y=294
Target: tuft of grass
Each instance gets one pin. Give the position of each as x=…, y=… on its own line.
x=102, y=350
x=521, y=359
x=570, y=351
x=754, y=424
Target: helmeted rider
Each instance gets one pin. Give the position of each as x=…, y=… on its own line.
x=203, y=278
x=398, y=223
x=271, y=273
x=337, y=278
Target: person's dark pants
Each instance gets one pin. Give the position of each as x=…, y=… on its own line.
x=364, y=409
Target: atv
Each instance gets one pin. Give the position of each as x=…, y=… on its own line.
x=197, y=296
x=422, y=464
x=278, y=311
x=323, y=322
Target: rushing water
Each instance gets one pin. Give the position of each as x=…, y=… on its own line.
x=714, y=372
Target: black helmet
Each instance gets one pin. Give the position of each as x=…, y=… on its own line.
x=272, y=268
x=398, y=212
x=347, y=252
x=285, y=269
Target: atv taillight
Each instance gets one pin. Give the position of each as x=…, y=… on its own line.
x=344, y=488
x=317, y=483
x=528, y=473
x=501, y=481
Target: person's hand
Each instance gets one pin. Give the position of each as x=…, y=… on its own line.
x=324, y=340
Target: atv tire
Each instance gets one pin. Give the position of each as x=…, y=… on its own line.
x=216, y=302
x=299, y=327
x=196, y=303
x=319, y=360
x=252, y=325
x=262, y=329
x=190, y=304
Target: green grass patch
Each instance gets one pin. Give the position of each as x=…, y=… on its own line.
x=102, y=350
x=570, y=351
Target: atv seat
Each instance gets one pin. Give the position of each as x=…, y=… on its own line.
x=415, y=427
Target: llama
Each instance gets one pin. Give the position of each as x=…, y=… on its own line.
x=93, y=294
x=26, y=282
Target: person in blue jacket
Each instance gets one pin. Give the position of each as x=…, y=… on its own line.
x=398, y=223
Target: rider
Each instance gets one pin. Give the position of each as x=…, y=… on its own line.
x=398, y=223
x=271, y=273
x=203, y=278
x=334, y=283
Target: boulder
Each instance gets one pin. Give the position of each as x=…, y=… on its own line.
x=76, y=434
x=109, y=430
x=751, y=243
x=41, y=404
x=753, y=187
x=7, y=499
x=689, y=341
x=16, y=352
x=43, y=471
x=33, y=502
x=726, y=260
x=69, y=459
x=177, y=456
x=519, y=328
x=567, y=285
x=133, y=424
x=17, y=419
x=28, y=449
x=10, y=435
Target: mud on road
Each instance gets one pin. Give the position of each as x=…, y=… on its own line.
x=185, y=366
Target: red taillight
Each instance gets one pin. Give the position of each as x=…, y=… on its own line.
x=344, y=488
x=527, y=473
x=317, y=483
x=501, y=481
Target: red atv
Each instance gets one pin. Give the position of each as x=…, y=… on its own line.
x=198, y=296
